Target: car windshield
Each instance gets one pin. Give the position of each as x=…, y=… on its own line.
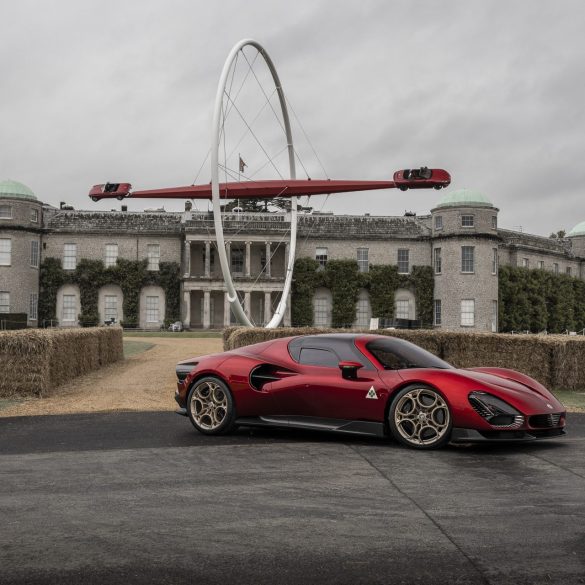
x=397, y=354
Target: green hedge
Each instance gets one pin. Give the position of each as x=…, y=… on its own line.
x=90, y=275
x=537, y=300
x=344, y=281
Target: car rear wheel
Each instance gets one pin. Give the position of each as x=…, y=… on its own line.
x=211, y=406
x=419, y=417
x=403, y=187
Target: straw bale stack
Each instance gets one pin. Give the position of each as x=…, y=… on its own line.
x=34, y=362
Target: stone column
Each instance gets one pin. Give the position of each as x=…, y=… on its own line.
x=206, y=309
x=228, y=251
x=248, y=304
x=187, y=258
x=268, y=254
x=286, y=255
x=187, y=308
x=248, y=268
x=287, y=313
x=226, y=309
x=207, y=258
x=267, y=307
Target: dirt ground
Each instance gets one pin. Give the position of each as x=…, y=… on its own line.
x=144, y=381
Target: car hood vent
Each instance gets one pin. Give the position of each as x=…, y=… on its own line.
x=265, y=373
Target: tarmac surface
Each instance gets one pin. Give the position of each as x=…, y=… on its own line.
x=128, y=498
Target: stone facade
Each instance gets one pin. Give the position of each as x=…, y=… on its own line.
x=460, y=239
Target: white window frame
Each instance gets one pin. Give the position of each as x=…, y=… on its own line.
x=34, y=253
x=525, y=262
x=363, y=313
x=238, y=260
x=110, y=255
x=4, y=301
x=5, y=252
x=322, y=256
x=401, y=262
x=494, y=316
x=6, y=214
x=556, y=267
x=152, y=309
x=437, y=261
x=110, y=307
x=33, y=306
x=69, y=308
x=466, y=222
x=437, y=312
x=321, y=312
x=569, y=271
x=465, y=262
x=468, y=313
x=438, y=222
x=153, y=255
x=541, y=264
x=69, y=256
x=363, y=259
x=495, y=261
x=494, y=222
x=402, y=309
x=34, y=215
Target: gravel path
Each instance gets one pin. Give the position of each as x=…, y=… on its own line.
x=145, y=381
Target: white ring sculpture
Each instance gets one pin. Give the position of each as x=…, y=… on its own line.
x=223, y=259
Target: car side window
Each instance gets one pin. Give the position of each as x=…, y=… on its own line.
x=318, y=357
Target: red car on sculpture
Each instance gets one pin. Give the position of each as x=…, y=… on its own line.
x=422, y=178
x=364, y=384
x=110, y=190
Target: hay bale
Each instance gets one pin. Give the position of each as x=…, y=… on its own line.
x=36, y=362
x=568, y=363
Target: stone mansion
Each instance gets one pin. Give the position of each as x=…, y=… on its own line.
x=460, y=239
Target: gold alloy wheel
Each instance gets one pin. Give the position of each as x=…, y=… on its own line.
x=422, y=417
x=208, y=405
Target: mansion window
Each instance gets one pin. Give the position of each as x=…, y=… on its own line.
x=152, y=309
x=401, y=311
x=525, y=263
x=237, y=262
x=34, y=215
x=556, y=268
x=111, y=256
x=69, y=308
x=467, y=221
x=33, y=307
x=494, y=222
x=5, y=251
x=494, y=260
x=568, y=271
x=541, y=264
x=153, y=252
x=438, y=222
x=321, y=257
x=467, y=313
x=467, y=259
x=69, y=256
x=403, y=261
x=437, y=261
x=363, y=259
x=5, y=211
x=111, y=307
x=4, y=302
x=438, y=310
x=34, y=253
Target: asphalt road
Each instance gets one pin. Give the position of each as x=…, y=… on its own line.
x=142, y=498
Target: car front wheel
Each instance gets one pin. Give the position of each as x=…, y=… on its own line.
x=419, y=417
x=211, y=406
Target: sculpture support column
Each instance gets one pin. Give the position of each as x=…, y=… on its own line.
x=206, y=309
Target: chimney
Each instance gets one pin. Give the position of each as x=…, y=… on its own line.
x=124, y=208
x=188, y=206
x=61, y=204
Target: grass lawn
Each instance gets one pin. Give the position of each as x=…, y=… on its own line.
x=134, y=347
x=573, y=401
x=179, y=334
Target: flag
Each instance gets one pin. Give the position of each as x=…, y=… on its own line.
x=243, y=165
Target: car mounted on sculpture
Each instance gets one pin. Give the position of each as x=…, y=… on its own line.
x=422, y=178
x=110, y=190
x=367, y=385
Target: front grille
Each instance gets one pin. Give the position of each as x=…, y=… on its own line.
x=479, y=407
x=545, y=421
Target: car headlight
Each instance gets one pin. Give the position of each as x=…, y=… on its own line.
x=495, y=411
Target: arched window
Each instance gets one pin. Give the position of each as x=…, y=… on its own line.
x=404, y=304
x=322, y=304
x=110, y=304
x=152, y=307
x=363, y=312
x=68, y=305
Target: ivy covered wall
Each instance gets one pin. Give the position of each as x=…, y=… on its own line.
x=344, y=281
x=537, y=300
x=90, y=275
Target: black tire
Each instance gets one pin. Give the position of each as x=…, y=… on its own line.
x=95, y=199
x=438, y=187
x=403, y=188
x=211, y=407
x=419, y=417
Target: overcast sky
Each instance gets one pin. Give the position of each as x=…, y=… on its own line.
x=493, y=91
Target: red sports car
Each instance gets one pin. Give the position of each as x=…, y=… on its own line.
x=364, y=384
x=422, y=178
x=110, y=190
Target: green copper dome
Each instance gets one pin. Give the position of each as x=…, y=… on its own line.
x=578, y=230
x=464, y=198
x=14, y=189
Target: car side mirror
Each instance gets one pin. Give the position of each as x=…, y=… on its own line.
x=349, y=370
